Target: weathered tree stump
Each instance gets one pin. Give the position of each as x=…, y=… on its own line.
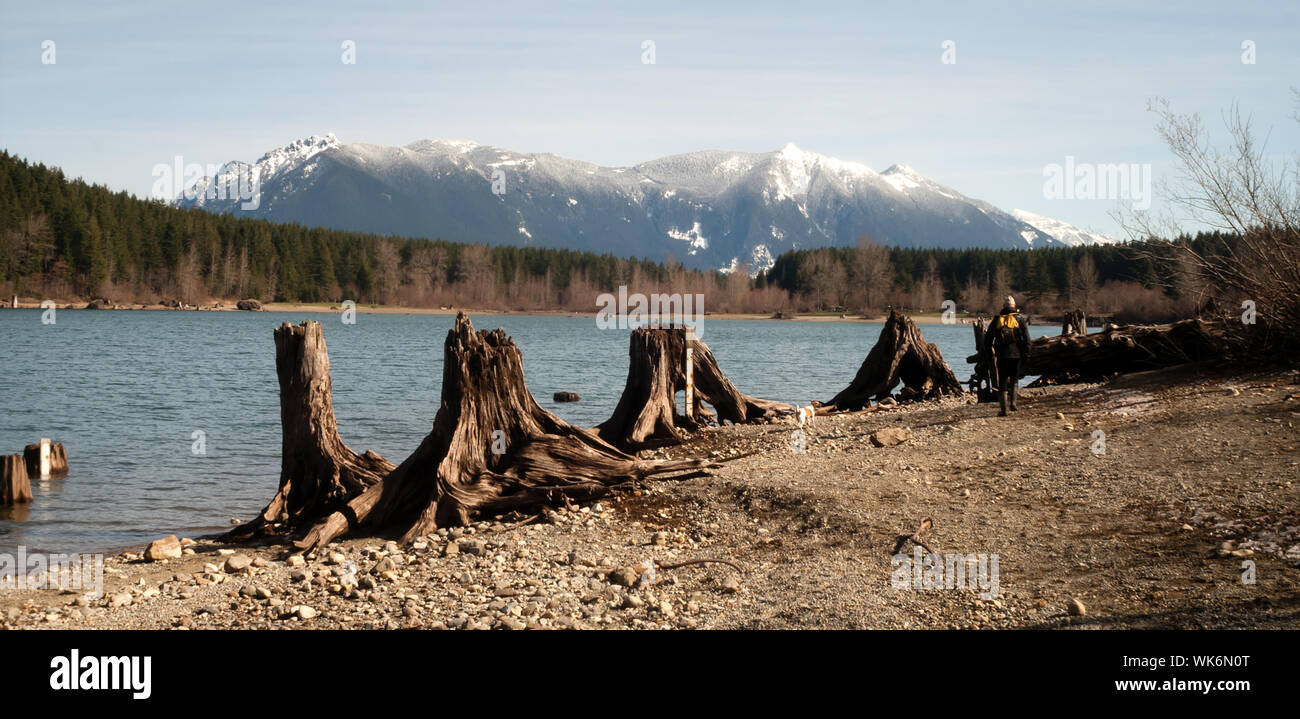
x=901, y=354
x=1074, y=322
x=45, y=460
x=14, y=485
x=457, y=472
x=1116, y=350
x=646, y=414
x=565, y=397
x=984, y=380
x=318, y=473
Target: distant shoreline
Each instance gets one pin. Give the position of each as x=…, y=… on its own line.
x=372, y=309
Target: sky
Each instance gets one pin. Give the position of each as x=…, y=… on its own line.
x=136, y=84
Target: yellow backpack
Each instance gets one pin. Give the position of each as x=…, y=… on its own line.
x=1006, y=326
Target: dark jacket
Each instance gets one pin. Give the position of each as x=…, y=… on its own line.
x=1019, y=349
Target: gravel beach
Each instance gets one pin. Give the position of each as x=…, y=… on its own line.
x=1158, y=500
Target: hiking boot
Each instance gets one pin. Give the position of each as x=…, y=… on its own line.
x=1002, y=400
x=1013, y=398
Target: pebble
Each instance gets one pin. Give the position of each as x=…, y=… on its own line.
x=624, y=576
x=237, y=563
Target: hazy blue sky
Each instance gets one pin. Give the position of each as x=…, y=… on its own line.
x=135, y=84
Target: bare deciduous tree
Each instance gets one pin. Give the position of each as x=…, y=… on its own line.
x=1241, y=191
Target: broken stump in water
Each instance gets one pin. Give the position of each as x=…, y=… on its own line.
x=901, y=354
x=566, y=397
x=461, y=471
x=45, y=460
x=647, y=415
x=1074, y=322
x=14, y=485
x=318, y=472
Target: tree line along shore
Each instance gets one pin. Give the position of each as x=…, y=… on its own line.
x=62, y=238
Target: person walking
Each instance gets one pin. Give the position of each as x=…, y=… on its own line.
x=1008, y=340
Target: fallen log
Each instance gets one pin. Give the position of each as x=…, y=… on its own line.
x=646, y=414
x=318, y=472
x=457, y=473
x=901, y=354
x=1116, y=350
x=14, y=485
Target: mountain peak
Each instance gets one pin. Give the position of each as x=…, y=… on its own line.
x=295, y=152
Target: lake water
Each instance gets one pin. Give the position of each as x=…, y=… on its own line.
x=126, y=391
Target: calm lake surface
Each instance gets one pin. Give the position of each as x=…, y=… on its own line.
x=126, y=391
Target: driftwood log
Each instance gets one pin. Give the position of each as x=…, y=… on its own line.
x=901, y=354
x=461, y=469
x=14, y=485
x=318, y=473
x=647, y=414
x=1116, y=350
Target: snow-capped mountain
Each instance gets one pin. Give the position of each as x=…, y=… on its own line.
x=214, y=192
x=1062, y=232
x=708, y=209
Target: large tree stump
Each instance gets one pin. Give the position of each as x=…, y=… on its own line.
x=901, y=354
x=647, y=414
x=14, y=485
x=318, y=473
x=1116, y=350
x=45, y=460
x=492, y=450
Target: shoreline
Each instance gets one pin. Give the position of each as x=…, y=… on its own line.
x=328, y=308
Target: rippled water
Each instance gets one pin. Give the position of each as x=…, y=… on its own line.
x=125, y=392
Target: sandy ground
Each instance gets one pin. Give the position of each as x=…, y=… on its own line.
x=1198, y=483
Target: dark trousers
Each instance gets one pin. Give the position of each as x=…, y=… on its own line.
x=1008, y=373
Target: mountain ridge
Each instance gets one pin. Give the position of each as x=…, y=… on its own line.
x=709, y=209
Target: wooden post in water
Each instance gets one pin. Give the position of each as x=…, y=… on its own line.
x=689, y=371
x=14, y=486
x=45, y=460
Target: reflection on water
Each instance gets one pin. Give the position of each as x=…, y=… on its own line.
x=125, y=391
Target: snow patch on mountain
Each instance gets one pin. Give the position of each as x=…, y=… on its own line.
x=1061, y=231
x=692, y=237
